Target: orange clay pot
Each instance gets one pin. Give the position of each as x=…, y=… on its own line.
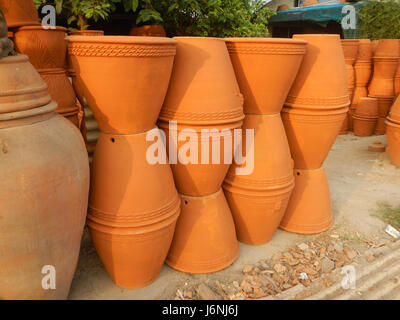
x=397, y=81
x=345, y=126
x=19, y=13
x=320, y=85
x=193, y=175
x=21, y=87
x=364, y=51
x=203, y=88
x=364, y=127
x=87, y=33
x=309, y=210
x=311, y=134
x=387, y=48
x=374, y=45
x=148, y=31
x=394, y=114
x=258, y=201
x=265, y=92
x=350, y=50
x=393, y=140
x=43, y=194
x=134, y=69
x=367, y=108
x=363, y=71
x=133, y=209
x=205, y=239
x=382, y=83
x=380, y=128
x=384, y=106
x=46, y=49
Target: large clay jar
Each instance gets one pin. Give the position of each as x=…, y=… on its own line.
x=309, y=210
x=258, y=200
x=320, y=85
x=312, y=134
x=148, y=31
x=350, y=51
x=382, y=83
x=364, y=51
x=203, y=95
x=387, y=48
x=393, y=140
x=205, y=239
x=380, y=128
x=19, y=13
x=367, y=108
x=46, y=48
x=43, y=193
x=394, y=115
x=265, y=69
x=117, y=67
x=132, y=209
x=364, y=127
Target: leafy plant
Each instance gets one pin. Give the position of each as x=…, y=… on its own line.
x=146, y=14
x=380, y=19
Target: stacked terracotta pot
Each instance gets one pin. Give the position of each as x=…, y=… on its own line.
x=133, y=205
x=43, y=189
x=313, y=115
x=91, y=128
x=265, y=69
x=386, y=59
x=203, y=97
x=363, y=71
x=350, y=50
x=47, y=51
x=365, y=117
x=393, y=133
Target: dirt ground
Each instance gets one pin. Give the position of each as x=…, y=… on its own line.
x=358, y=179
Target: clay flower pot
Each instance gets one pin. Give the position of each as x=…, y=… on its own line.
x=311, y=134
x=45, y=154
x=205, y=239
x=364, y=127
x=19, y=13
x=387, y=48
x=258, y=201
x=137, y=70
x=367, y=108
x=384, y=106
x=394, y=115
x=363, y=71
x=46, y=48
x=309, y=210
x=380, y=128
x=25, y=89
x=350, y=50
x=364, y=51
x=382, y=83
x=265, y=92
x=92, y=33
x=131, y=227
x=320, y=85
x=393, y=140
x=148, y=31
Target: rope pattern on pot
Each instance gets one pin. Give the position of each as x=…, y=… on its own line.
x=230, y=115
x=265, y=49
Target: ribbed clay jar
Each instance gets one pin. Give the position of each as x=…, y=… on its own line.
x=258, y=198
x=393, y=140
x=133, y=208
x=43, y=192
x=134, y=70
x=203, y=95
x=265, y=91
x=365, y=117
x=46, y=48
x=19, y=13
x=350, y=51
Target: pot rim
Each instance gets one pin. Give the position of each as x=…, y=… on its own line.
x=265, y=40
x=40, y=28
x=120, y=40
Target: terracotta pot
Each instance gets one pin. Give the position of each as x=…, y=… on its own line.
x=21, y=87
x=393, y=140
x=380, y=128
x=351, y=81
x=133, y=209
x=19, y=13
x=309, y=210
x=330, y=78
x=397, y=81
x=60, y=89
x=198, y=175
x=377, y=146
x=258, y=201
x=345, y=126
x=387, y=48
x=367, y=108
x=382, y=83
x=364, y=51
x=111, y=66
x=148, y=31
x=46, y=48
x=364, y=127
x=205, y=239
x=92, y=33
x=43, y=194
x=374, y=45
x=311, y=134
x=350, y=50
x=350, y=118
x=384, y=106
x=363, y=71
x=265, y=92
x=359, y=92
x=394, y=114
x=203, y=88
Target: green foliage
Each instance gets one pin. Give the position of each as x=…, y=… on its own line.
x=380, y=19
x=146, y=14
x=215, y=18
